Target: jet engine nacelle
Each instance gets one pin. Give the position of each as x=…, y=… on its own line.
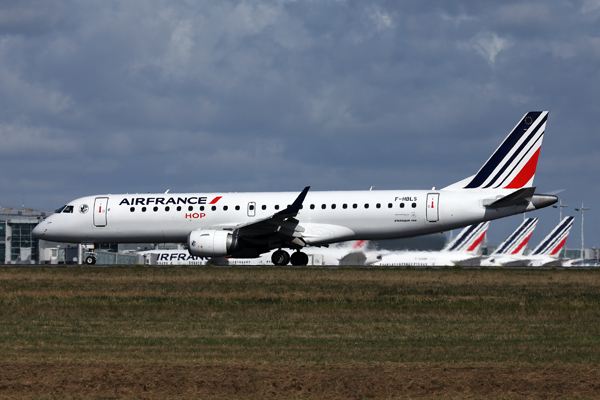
x=209, y=243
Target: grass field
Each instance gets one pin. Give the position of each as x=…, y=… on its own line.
x=298, y=333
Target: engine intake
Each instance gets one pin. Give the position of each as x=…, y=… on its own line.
x=211, y=243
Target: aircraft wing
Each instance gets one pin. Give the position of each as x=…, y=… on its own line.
x=283, y=225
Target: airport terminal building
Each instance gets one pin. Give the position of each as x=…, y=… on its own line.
x=17, y=245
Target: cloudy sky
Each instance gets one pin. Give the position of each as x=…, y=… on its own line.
x=144, y=96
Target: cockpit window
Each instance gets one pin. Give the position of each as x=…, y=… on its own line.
x=68, y=210
x=60, y=209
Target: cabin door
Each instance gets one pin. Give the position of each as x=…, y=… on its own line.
x=100, y=206
x=433, y=214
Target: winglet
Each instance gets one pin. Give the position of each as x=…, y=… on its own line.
x=296, y=205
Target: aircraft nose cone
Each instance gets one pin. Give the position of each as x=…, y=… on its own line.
x=39, y=231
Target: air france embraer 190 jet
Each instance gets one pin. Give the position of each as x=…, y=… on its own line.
x=245, y=225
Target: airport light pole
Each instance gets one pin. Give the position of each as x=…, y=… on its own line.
x=582, y=210
x=560, y=207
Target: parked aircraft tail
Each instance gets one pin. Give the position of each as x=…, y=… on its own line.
x=555, y=241
x=516, y=242
x=469, y=239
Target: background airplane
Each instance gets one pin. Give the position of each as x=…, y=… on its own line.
x=511, y=250
x=463, y=250
x=345, y=253
x=546, y=253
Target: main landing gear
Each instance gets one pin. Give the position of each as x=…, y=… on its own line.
x=282, y=257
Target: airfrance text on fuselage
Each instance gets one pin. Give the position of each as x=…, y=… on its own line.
x=146, y=201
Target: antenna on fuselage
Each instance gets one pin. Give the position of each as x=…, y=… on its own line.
x=167, y=191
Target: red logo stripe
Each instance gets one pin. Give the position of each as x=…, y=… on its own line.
x=523, y=243
x=477, y=242
x=560, y=246
x=358, y=244
x=526, y=173
x=216, y=199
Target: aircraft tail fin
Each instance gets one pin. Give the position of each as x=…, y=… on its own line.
x=516, y=242
x=513, y=164
x=555, y=241
x=469, y=239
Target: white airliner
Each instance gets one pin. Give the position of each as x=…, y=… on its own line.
x=245, y=225
x=461, y=251
x=510, y=252
x=345, y=253
x=545, y=254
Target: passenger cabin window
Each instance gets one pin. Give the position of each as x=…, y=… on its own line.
x=401, y=205
x=354, y=205
x=366, y=205
x=132, y=209
x=190, y=208
x=277, y=206
x=378, y=205
x=68, y=210
x=323, y=206
x=237, y=208
x=264, y=207
x=344, y=206
x=201, y=208
x=225, y=208
x=333, y=206
x=155, y=209
x=414, y=205
x=167, y=208
x=214, y=208
x=178, y=208
x=312, y=206
x=251, y=207
x=143, y=209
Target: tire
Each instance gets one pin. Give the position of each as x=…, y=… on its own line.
x=299, y=258
x=280, y=257
x=90, y=260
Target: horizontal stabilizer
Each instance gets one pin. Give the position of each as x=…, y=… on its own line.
x=520, y=197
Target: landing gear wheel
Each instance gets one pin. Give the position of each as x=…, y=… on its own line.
x=280, y=257
x=299, y=258
x=90, y=260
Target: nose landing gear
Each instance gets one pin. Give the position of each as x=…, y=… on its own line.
x=90, y=260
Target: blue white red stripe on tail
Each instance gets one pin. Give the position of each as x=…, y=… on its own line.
x=513, y=164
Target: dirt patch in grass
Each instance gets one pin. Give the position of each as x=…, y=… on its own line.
x=250, y=380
